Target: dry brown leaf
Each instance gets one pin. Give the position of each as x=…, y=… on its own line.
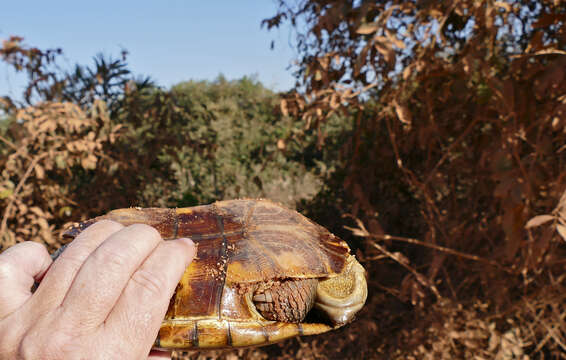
x=393, y=39
x=561, y=230
x=367, y=29
x=39, y=172
x=539, y=220
x=37, y=211
x=89, y=162
x=383, y=46
x=403, y=113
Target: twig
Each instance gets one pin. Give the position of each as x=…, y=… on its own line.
x=9, y=143
x=541, y=52
x=450, y=147
x=17, y=149
x=420, y=278
x=411, y=177
x=443, y=249
x=551, y=330
x=443, y=22
x=17, y=190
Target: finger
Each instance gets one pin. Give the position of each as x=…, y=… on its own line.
x=138, y=314
x=159, y=355
x=20, y=266
x=105, y=273
x=58, y=279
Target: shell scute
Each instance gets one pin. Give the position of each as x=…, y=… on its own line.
x=280, y=243
x=198, y=222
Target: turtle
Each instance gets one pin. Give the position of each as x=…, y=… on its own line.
x=260, y=269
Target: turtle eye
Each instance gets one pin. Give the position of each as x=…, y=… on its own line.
x=286, y=301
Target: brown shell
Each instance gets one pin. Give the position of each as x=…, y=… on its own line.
x=240, y=242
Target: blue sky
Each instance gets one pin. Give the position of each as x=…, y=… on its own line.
x=171, y=41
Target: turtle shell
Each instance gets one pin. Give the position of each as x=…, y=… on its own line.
x=241, y=243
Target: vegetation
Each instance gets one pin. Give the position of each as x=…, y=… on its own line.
x=96, y=139
x=436, y=129
x=458, y=142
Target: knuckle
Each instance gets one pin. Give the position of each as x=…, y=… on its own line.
x=100, y=228
x=145, y=229
x=7, y=270
x=150, y=283
x=111, y=258
x=34, y=246
x=10, y=260
x=27, y=247
x=105, y=224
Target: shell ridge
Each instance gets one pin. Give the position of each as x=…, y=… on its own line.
x=224, y=260
x=271, y=262
x=264, y=331
x=246, y=232
x=248, y=216
x=229, y=334
x=300, y=327
x=327, y=242
x=176, y=225
x=195, y=334
x=267, y=258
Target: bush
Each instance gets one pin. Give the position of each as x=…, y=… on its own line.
x=458, y=142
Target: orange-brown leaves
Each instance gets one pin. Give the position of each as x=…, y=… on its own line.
x=459, y=140
x=56, y=137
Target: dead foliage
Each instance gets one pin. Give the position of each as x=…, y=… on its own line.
x=457, y=152
x=56, y=138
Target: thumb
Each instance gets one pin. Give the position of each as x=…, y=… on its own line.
x=20, y=266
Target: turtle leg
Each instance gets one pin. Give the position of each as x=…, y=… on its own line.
x=286, y=301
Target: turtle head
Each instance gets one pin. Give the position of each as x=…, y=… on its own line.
x=342, y=296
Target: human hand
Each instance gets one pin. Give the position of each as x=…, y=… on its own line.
x=104, y=297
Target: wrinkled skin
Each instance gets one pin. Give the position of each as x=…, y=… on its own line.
x=103, y=298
